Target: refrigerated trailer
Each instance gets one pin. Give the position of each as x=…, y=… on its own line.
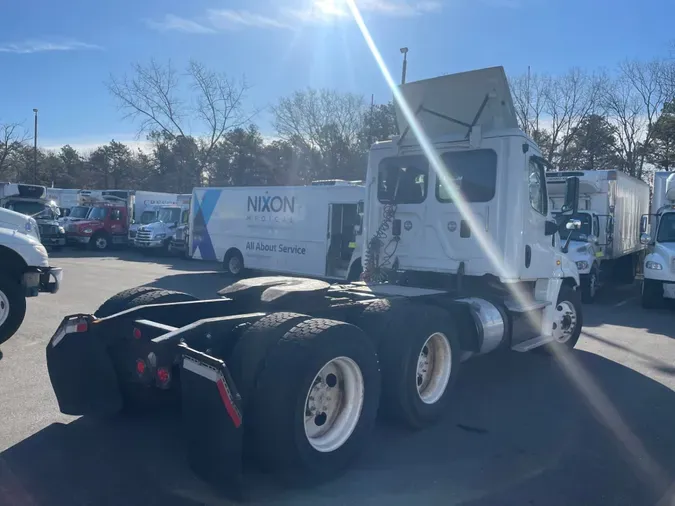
x=607, y=247
x=659, y=238
x=302, y=230
x=293, y=371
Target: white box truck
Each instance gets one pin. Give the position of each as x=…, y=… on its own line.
x=659, y=237
x=294, y=371
x=305, y=230
x=607, y=247
x=65, y=198
x=145, y=209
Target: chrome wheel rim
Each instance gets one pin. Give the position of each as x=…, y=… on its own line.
x=4, y=308
x=434, y=366
x=333, y=404
x=101, y=242
x=565, y=321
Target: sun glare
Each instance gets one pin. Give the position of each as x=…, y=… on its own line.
x=331, y=8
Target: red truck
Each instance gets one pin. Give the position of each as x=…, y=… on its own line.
x=107, y=223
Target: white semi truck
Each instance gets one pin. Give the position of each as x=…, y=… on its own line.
x=293, y=371
x=24, y=269
x=302, y=230
x=659, y=237
x=607, y=248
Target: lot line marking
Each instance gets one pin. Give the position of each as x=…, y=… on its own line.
x=624, y=302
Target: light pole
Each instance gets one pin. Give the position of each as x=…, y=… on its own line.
x=404, y=51
x=35, y=149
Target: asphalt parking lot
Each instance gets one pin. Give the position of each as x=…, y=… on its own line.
x=595, y=428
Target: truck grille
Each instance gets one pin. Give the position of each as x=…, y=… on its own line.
x=144, y=235
x=71, y=228
x=48, y=230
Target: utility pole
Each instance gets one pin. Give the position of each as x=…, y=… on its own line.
x=370, y=130
x=404, y=51
x=35, y=178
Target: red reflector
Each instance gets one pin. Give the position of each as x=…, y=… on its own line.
x=163, y=375
x=137, y=333
x=140, y=366
x=81, y=327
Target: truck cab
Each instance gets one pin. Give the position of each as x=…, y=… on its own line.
x=158, y=234
x=107, y=223
x=148, y=216
x=25, y=270
x=31, y=200
x=659, y=236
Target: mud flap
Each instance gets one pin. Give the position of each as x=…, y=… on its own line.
x=212, y=418
x=81, y=371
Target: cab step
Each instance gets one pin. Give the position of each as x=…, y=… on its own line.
x=531, y=344
x=516, y=306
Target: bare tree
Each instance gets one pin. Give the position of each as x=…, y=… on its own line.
x=153, y=96
x=529, y=91
x=12, y=138
x=309, y=116
x=568, y=100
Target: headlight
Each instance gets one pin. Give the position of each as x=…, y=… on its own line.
x=87, y=231
x=62, y=230
x=653, y=265
x=160, y=236
x=582, y=265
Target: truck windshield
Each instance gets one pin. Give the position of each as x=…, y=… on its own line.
x=666, y=228
x=148, y=217
x=577, y=235
x=34, y=209
x=98, y=213
x=79, y=212
x=169, y=215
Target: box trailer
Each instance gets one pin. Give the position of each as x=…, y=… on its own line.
x=607, y=247
x=305, y=230
x=659, y=238
x=292, y=372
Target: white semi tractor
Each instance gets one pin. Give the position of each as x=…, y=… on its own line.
x=157, y=234
x=607, y=248
x=659, y=238
x=294, y=371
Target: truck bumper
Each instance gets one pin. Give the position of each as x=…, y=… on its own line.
x=53, y=241
x=42, y=279
x=78, y=239
x=149, y=244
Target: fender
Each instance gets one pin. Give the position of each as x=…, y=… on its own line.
x=26, y=246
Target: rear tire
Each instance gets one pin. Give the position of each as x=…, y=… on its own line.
x=321, y=372
x=12, y=307
x=233, y=263
x=652, y=294
x=420, y=356
x=117, y=303
x=159, y=297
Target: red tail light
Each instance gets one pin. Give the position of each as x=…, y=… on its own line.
x=81, y=327
x=140, y=366
x=137, y=333
x=163, y=375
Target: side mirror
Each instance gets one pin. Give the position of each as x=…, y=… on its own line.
x=573, y=225
x=643, y=224
x=645, y=238
x=360, y=208
x=571, y=205
x=550, y=228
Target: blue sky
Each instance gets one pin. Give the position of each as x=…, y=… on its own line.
x=57, y=55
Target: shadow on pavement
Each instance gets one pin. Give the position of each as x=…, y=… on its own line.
x=518, y=433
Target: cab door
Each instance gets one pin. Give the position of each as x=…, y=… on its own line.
x=538, y=251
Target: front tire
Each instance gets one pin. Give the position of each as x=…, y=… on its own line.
x=315, y=402
x=589, y=287
x=100, y=242
x=12, y=308
x=420, y=355
x=652, y=294
x=568, y=320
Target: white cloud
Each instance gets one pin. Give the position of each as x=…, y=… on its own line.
x=324, y=10
x=37, y=46
x=85, y=146
x=178, y=24
x=226, y=19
